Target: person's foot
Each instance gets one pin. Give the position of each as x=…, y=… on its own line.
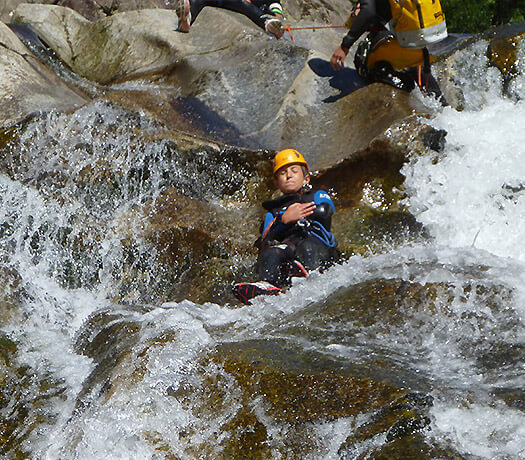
x=183, y=11
x=274, y=26
x=247, y=291
x=297, y=270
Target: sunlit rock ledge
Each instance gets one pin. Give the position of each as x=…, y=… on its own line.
x=266, y=93
x=27, y=85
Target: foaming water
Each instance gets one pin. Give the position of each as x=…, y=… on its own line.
x=486, y=431
x=474, y=194
x=444, y=345
x=152, y=399
x=471, y=198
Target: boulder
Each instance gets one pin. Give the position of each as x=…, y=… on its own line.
x=27, y=85
x=90, y=9
x=503, y=53
x=6, y=9
x=268, y=93
x=121, y=47
x=246, y=387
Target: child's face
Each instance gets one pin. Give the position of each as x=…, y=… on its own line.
x=290, y=179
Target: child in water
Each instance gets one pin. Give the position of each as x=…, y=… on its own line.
x=296, y=234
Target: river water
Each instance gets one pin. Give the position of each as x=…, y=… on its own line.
x=466, y=351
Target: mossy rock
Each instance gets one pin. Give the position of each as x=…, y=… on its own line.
x=300, y=397
x=413, y=447
x=197, y=248
x=8, y=136
x=108, y=338
x=367, y=190
x=503, y=53
x=211, y=279
x=297, y=394
x=366, y=230
x=513, y=397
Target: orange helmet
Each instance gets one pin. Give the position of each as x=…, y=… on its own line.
x=287, y=157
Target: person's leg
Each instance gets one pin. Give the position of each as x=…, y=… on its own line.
x=427, y=83
x=313, y=253
x=239, y=6
x=383, y=72
x=432, y=88
x=272, y=264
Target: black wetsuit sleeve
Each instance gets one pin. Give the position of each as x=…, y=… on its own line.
x=365, y=18
x=373, y=13
x=324, y=209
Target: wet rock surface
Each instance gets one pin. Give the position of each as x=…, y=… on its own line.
x=236, y=85
x=157, y=171
x=27, y=85
x=26, y=400
x=277, y=394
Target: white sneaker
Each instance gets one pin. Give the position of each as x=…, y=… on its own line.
x=183, y=11
x=274, y=26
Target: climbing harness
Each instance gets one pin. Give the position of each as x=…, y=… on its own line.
x=314, y=228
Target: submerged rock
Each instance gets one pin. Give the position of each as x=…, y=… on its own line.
x=334, y=378
x=12, y=292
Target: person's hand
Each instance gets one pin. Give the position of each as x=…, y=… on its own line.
x=297, y=211
x=338, y=58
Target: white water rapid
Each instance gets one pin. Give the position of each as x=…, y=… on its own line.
x=470, y=198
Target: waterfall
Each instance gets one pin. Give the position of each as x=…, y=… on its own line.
x=98, y=367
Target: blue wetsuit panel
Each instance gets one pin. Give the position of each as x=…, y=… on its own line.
x=267, y=221
x=323, y=197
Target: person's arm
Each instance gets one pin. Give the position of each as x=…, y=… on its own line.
x=297, y=211
x=366, y=17
x=322, y=199
x=269, y=220
x=324, y=209
x=361, y=23
x=274, y=225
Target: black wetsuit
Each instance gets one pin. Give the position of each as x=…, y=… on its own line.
x=373, y=16
x=309, y=241
x=256, y=10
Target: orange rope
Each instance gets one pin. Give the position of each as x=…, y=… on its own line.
x=313, y=28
